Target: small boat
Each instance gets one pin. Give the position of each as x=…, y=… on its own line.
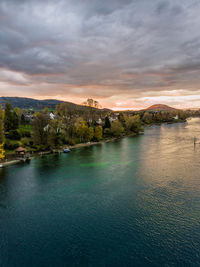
x=1, y=166
x=66, y=150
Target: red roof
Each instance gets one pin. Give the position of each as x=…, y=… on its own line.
x=20, y=149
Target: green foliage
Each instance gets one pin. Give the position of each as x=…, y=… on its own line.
x=98, y=134
x=107, y=132
x=25, y=130
x=14, y=135
x=133, y=124
x=11, y=144
x=54, y=134
x=89, y=134
x=122, y=119
x=11, y=121
x=26, y=142
x=117, y=129
x=40, y=128
x=1, y=125
x=147, y=118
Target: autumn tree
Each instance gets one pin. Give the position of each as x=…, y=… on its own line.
x=91, y=103
x=2, y=152
x=117, y=129
x=133, y=124
x=147, y=118
x=98, y=133
x=81, y=129
x=89, y=134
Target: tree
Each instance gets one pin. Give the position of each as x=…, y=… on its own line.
x=22, y=119
x=1, y=125
x=147, y=118
x=67, y=115
x=10, y=119
x=2, y=152
x=81, y=129
x=54, y=133
x=92, y=103
x=89, y=133
x=40, y=129
x=98, y=133
x=133, y=124
x=117, y=129
x=107, y=123
x=18, y=112
x=122, y=119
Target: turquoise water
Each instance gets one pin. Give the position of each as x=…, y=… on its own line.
x=134, y=202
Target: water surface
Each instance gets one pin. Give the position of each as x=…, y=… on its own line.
x=134, y=202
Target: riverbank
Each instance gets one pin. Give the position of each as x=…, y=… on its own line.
x=13, y=161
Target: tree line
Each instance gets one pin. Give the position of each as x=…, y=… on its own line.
x=70, y=126
x=67, y=127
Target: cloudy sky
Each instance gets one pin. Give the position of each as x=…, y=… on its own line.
x=123, y=53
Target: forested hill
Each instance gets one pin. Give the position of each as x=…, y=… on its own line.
x=25, y=103
x=28, y=103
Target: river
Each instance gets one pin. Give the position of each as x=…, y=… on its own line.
x=132, y=202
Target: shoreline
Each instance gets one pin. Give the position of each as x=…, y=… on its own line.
x=9, y=162
x=14, y=161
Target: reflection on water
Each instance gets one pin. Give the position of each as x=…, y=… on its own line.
x=125, y=203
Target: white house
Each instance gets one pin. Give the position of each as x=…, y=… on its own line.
x=52, y=116
x=176, y=117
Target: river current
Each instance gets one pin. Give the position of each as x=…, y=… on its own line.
x=133, y=202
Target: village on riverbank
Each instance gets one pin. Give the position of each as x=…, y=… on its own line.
x=27, y=132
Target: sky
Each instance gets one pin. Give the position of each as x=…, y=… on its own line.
x=126, y=54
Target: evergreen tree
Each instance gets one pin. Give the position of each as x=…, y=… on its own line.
x=11, y=121
x=107, y=123
x=1, y=125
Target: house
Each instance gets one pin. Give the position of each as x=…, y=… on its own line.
x=113, y=118
x=46, y=128
x=22, y=154
x=99, y=121
x=52, y=116
x=176, y=117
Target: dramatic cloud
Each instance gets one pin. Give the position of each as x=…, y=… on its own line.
x=125, y=53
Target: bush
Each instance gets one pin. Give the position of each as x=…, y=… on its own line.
x=25, y=133
x=25, y=141
x=72, y=142
x=107, y=132
x=14, y=135
x=11, y=145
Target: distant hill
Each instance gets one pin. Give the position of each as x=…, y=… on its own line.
x=30, y=103
x=160, y=107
